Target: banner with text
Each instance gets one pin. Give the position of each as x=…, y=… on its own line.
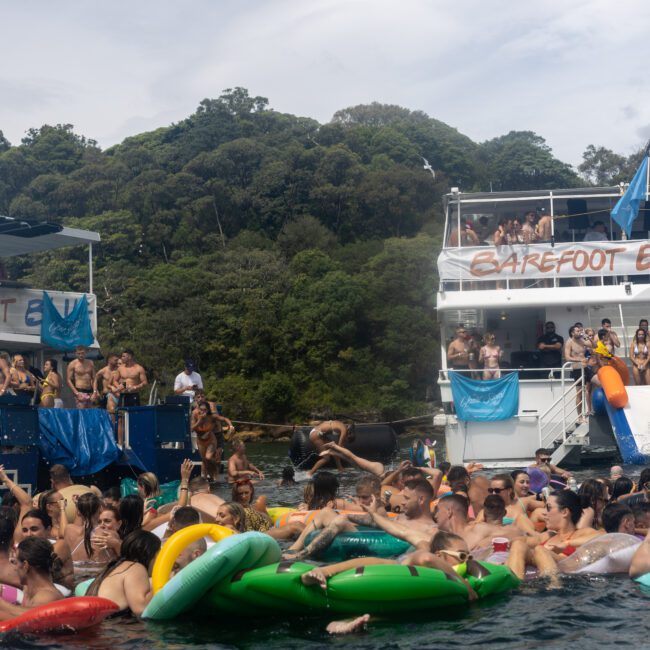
x=485, y=401
x=576, y=259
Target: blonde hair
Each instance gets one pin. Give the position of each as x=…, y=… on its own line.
x=148, y=481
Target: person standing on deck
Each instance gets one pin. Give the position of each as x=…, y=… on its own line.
x=133, y=378
x=107, y=385
x=550, y=345
x=615, y=342
x=80, y=378
x=458, y=351
x=574, y=351
x=188, y=381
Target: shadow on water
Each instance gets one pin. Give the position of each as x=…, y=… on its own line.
x=586, y=612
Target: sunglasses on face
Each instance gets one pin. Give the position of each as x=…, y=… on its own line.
x=545, y=460
x=492, y=490
x=461, y=556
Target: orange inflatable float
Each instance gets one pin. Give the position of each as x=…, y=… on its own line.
x=306, y=516
x=613, y=386
x=67, y=615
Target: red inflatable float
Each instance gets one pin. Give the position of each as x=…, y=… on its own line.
x=66, y=615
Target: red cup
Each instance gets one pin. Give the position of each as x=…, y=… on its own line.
x=500, y=544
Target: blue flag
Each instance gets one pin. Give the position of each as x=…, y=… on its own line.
x=66, y=333
x=627, y=208
x=485, y=401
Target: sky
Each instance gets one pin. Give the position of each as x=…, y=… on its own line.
x=573, y=71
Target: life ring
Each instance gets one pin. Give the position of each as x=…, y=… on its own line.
x=219, y=562
x=365, y=542
x=606, y=554
x=380, y=589
x=70, y=614
x=277, y=512
x=173, y=547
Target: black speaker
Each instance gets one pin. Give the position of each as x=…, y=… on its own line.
x=578, y=217
x=645, y=211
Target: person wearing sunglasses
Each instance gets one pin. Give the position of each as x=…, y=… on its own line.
x=543, y=463
x=458, y=350
x=33, y=561
x=516, y=512
x=561, y=539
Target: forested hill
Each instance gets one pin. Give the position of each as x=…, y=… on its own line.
x=295, y=261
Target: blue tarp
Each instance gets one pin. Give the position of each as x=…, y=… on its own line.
x=66, y=332
x=80, y=439
x=485, y=401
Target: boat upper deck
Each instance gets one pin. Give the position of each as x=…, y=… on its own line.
x=540, y=240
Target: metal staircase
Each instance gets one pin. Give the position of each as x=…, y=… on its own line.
x=562, y=426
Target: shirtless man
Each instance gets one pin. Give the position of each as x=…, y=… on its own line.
x=133, y=379
x=107, y=385
x=33, y=562
x=239, y=467
x=415, y=515
x=458, y=351
x=574, y=351
x=543, y=463
x=544, y=228
x=80, y=378
x=201, y=498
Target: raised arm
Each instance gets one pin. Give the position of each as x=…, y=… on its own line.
x=414, y=537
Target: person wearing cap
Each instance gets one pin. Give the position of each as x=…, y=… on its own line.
x=188, y=381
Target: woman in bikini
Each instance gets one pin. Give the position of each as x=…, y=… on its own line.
x=562, y=538
x=51, y=385
x=22, y=381
x=204, y=425
x=78, y=534
x=490, y=356
x=639, y=358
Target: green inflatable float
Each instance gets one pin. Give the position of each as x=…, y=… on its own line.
x=365, y=542
x=381, y=589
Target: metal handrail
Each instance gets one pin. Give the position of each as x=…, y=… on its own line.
x=552, y=435
x=442, y=372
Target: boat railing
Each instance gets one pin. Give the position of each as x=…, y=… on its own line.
x=561, y=417
x=525, y=374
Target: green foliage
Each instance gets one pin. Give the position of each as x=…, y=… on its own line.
x=294, y=261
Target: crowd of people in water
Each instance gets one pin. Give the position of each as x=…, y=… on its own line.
x=449, y=514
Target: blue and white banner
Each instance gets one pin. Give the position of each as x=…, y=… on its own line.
x=66, y=332
x=485, y=401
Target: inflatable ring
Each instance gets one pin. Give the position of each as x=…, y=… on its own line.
x=365, y=542
x=68, y=615
x=307, y=516
x=175, y=545
x=277, y=512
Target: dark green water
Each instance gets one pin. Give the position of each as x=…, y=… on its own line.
x=586, y=612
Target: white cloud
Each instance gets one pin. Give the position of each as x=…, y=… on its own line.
x=572, y=72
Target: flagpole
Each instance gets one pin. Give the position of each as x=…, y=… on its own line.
x=647, y=171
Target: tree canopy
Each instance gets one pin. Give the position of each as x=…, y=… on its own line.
x=295, y=261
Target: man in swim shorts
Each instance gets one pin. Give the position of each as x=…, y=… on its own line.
x=80, y=378
x=133, y=378
x=107, y=385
